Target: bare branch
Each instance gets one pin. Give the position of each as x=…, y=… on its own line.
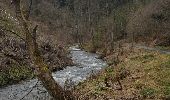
x=34, y=33
x=45, y=76
x=7, y=30
x=29, y=91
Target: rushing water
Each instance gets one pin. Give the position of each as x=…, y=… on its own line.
x=86, y=64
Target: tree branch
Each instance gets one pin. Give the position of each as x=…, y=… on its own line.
x=29, y=91
x=42, y=71
x=34, y=32
x=7, y=30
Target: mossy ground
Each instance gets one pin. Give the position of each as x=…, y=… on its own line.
x=15, y=74
x=148, y=78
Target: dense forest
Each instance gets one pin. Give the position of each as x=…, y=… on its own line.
x=131, y=36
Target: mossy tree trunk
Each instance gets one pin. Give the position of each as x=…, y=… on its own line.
x=42, y=71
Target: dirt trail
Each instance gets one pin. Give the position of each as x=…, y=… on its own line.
x=153, y=49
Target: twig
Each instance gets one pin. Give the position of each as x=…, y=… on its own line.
x=3, y=29
x=29, y=91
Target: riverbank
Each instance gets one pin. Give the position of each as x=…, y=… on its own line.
x=15, y=65
x=139, y=75
x=85, y=64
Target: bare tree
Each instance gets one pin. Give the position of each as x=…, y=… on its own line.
x=41, y=68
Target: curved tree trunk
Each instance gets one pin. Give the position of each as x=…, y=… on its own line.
x=42, y=71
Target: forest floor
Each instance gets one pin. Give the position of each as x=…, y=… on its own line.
x=142, y=74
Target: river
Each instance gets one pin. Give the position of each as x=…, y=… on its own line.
x=85, y=65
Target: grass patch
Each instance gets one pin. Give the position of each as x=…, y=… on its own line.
x=19, y=73
x=167, y=90
x=148, y=92
x=148, y=77
x=143, y=57
x=166, y=64
x=15, y=74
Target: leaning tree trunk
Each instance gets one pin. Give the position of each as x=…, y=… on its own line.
x=42, y=71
